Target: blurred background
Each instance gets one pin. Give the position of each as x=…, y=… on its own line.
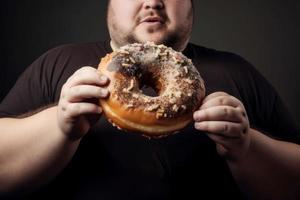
x=266, y=33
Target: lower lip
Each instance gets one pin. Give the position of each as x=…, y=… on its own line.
x=153, y=23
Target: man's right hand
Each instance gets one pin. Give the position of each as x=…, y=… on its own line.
x=57, y=129
x=78, y=107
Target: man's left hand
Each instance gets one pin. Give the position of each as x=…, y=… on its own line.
x=224, y=119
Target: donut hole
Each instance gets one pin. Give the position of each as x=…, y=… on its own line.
x=150, y=86
x=149, y=91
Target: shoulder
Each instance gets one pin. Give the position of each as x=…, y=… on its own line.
x=217, y=56
x=235, y=75
x=67, y=58
x=226, y=62
x=80, y=49
x=55, y=66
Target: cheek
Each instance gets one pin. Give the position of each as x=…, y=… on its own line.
x=180, y=14
x=123, y=12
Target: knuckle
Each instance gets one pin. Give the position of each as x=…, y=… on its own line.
x=221, y=101
x=69, y=95
x=242, y=112
x=232, y=98
x=226, y=112
x=225, y=128
x=239, y=109
x=241, y=130
x=74, y=109
x=63, y=108
x=204, y=114
x=64, y=111
x=75, y=90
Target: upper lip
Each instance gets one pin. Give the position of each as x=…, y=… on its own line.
x=152, y=19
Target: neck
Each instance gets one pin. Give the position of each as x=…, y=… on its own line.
x=181, y=48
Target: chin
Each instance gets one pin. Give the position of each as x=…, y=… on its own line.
x=157, y=37
x=156, y=40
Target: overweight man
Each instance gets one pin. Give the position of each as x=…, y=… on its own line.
x=55, y=142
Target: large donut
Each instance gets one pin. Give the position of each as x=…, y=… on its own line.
x=177, y=82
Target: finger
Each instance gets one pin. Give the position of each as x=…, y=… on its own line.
x=86, y=69
x=220, y=101
x=228, y=129
x=74, y=110
x=214, y=95
x=88, y=78
x=82, y=92
x=83, y=70
x=219, y=113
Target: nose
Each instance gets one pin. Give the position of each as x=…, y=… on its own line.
x=153, y=4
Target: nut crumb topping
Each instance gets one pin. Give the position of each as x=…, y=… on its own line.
x=131, y=85
x=172, y=100
x=175, y=108
x=189, y=81
x=130, y=105
x=177, y=94
x=186, y=70
x=126, y=65
x=135, y=95
x=132, y=60
x=178, y=81
x=158, y=115
x=152, y=107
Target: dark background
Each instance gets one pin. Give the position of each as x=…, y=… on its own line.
x=266, y=33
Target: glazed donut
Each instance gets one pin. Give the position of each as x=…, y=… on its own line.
x=178, y=85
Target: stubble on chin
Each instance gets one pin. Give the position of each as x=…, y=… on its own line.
x=173, y=39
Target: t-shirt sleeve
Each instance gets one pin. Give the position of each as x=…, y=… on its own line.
x=282, y=123
x=40, y=84
x=269, y=114
x=29, y=93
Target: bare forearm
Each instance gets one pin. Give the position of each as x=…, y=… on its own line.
x=32, y=151
x=270, y=170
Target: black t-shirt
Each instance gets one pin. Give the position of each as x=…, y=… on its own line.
x=111, y=164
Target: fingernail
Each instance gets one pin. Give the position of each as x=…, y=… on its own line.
x=104, y=92
x=197, y=126
x=103, y=79
x=197, y=115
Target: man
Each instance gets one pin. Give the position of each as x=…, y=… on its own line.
x=55, y=144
